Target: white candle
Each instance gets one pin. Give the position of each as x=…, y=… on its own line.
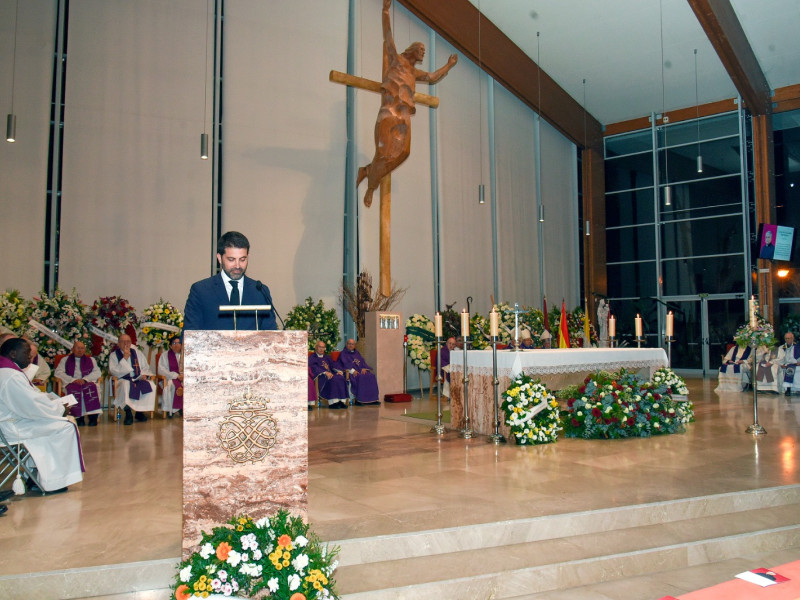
x=638, y=326
x=437, y=324
x=612, y=326
x=753, y=320
x=670, y=324
x=464, y=323
x=494, y=323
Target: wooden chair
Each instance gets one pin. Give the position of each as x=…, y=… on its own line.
x=151, y=378
x=161, y=384
x=59, y=388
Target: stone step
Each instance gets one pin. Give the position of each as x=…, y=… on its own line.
x=672, y=537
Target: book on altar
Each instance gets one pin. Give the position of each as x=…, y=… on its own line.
x=762, y=577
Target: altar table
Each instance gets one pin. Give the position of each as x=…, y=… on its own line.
x=557, y=368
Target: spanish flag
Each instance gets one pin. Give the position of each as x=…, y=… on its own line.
x=563, y=332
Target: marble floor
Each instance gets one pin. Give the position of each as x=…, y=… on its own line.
x=373, y=471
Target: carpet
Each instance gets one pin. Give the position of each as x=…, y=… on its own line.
x=737, y=589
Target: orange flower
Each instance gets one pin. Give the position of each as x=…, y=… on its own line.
x=298, y=596
x=284, y=541
x=182, y=593
x=223, y=550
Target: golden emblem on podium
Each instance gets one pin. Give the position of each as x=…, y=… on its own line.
x=248, y=431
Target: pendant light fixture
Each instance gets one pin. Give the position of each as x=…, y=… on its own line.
x=664, y=117
x=204, y=135
x=539, y=106
x=11, y=119
x=481, y=187
x=697, y=120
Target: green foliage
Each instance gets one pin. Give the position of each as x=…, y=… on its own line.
x=321, y=323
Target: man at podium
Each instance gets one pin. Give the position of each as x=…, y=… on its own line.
x=230, y=286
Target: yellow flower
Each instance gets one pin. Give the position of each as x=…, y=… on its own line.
x=285, y=563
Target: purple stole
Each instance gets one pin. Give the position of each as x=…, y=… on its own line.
x=86, y=393
x=364, y=387
x=7, y=363
x=174, y=367
x=137, y=388
x=736, y=368
x=789, y=371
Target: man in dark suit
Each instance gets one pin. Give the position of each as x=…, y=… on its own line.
x=228, y=287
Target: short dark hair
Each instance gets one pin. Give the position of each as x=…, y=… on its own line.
x=173, y=338
x=14, y=344
x=232, y=239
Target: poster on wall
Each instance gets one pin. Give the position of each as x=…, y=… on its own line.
x=776, y=242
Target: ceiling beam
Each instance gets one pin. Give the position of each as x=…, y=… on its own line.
x=457, y=22
x=724, y=31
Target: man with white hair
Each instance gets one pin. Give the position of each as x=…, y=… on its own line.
x=134, y=392
x=80, y=374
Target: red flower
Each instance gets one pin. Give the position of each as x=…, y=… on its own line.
x=570, y=402
x=582, y=389
x=596, y=412
x=576, y=423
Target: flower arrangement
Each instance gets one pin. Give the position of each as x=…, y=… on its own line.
x=531, y=411
x=761, y=335
x=277, y=556
x=451, y=322
x=574, y=327
x=64, y=315
x=421, y=335
x=666, y=381
x=164, y=313
x=479, y=331
x=112, y=315
x=506, y=328
x=533, y=320
x=791, y=323
x=612, y=406
x=321, y=323
x=14, y=311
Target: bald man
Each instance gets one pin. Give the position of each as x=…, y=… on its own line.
x=80, y=374
x=134, y=392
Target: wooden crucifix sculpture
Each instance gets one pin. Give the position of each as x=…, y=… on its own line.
x=393, y=126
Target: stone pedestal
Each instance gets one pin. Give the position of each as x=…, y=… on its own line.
x=245, y=427
x=384, y=349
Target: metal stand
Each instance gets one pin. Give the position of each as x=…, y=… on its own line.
x=669, y=351
x=466, y=433
x=755, y=428
x=640, y=341
x=405, y=365
x=439, y=427
x=516, y=328
x=611, y=341
x=496, y=438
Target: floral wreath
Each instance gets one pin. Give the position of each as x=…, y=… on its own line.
x=162, y=313
x=62, y=314
x=14, y=310
x=761, y=335
x=666, y=381
x=321, y=323
x=420, y=332
x=278, y=555
x=112, y=316
x=531, y=412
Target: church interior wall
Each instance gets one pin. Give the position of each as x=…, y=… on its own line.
x=137, y=200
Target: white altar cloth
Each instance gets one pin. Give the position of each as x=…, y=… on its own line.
x=559, y=360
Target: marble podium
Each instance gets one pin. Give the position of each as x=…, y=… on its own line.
x=384, y=349
x=245, y=427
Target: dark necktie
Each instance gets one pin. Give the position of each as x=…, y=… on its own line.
x=235, y=292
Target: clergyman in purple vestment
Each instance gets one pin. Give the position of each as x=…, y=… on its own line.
x=329, y=377
x=363, y=383
x=444, y=365
x=80, y=374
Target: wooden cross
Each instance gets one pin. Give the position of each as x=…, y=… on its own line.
x=386, y=183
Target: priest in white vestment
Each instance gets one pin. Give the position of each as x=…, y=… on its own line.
x=134, y=392
x=30, y=416
x=734, y=373
x=169, y=365
x=768, y=369
x=789, y=358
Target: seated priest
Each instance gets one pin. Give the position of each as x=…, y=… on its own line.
x=30, y=416
x=363, y=383
x=38, y=371
x=444, y=365
x=134, y=392
x=734, y=373
x=789, y=358
x=525, y=340
x=312, y=391
x=330, y=379
x=79, y=374
x=169, y=365
x=767, y=370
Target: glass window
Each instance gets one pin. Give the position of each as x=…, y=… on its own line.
x=702, y=237
x=705, y=198
x=630, y=208
x=629, y=172
x=631, y=243
x=629, y=143
x=632, y=279
x=720, y=157
x=711, y=128
x=690, y=276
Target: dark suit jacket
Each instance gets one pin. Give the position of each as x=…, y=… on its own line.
x=205, y=297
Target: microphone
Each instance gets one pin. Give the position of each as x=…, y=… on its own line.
x=265, y=291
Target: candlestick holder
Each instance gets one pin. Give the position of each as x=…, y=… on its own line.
x=405, y=365
x=496, y=438
x=439, y=427
x=755, y=428
x=611, y=340
x=669, y=341
x=639, y=341
x=466, y=433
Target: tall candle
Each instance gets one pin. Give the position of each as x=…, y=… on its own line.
x=437, y=324
x=612, y=326
x=494, y=323
x=638, y=326
x=670, y=324
x=464, y=323
x=753, y=320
